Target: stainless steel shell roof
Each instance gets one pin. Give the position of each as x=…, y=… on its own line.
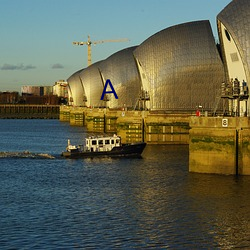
x=181, y=67
x=236, y=18
x=76, y=90
x=93, y=85
x=121, y=69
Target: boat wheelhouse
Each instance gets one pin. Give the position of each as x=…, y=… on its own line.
x=104, y=143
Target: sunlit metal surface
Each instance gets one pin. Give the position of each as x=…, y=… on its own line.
x=178, y=67
x=76, y=90
x=93, y=85
x=181, y=67
x=236, y=18
x=121, y=69
x=234, y=33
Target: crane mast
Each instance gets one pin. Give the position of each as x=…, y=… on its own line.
x=89, y=43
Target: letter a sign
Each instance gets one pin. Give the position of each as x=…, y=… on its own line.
x=108, y=92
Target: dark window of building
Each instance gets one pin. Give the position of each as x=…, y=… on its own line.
x=227, y=35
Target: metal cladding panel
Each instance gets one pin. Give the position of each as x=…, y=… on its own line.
x=76, y=90
x=93, y=85
x=182, y=66
x=122, y=71
x=236, y=18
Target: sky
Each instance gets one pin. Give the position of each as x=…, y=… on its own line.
x=36, y=35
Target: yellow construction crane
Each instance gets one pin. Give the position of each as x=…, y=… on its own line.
x=89, y=43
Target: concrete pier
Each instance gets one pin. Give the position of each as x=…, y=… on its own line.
x=219, y=145
x=132, y=126
x=64, y=114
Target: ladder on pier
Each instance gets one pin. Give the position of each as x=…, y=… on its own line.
x=217, y=101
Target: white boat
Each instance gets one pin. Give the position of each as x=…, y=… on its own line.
x=103, y=146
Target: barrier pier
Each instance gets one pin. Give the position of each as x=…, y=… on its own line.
x=132, y=126
x=219, y=145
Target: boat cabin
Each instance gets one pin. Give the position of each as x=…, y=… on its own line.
x=102, y=143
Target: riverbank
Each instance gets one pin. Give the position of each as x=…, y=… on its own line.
x=25, y=111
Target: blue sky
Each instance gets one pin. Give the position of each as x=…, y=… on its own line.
x=36, y=35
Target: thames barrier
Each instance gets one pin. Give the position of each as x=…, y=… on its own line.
x=179, y=86
x=132, y=126
x=219, y=145
x=164, y=82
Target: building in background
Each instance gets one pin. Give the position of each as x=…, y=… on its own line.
x=60, y=89
x=44, y=95
x=37, y=90
x=9, y=97
x=38, y=95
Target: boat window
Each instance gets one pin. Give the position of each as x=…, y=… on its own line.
x=117, y=141
x=100, y=142
x=112, y=142
x=107, y=142
x=93, y=142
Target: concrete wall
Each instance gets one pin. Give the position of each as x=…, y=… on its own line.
x=64, y=114
x=132, y=126
x=216, y=145
x=24, y=111
x=219, y=145
x=167, y=129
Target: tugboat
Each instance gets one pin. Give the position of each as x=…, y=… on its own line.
x=101, y=146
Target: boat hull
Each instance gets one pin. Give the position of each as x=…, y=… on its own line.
x=126, y=150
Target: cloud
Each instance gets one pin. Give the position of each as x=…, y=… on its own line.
x=21, y=66
x=29, y=67
x=57, y=66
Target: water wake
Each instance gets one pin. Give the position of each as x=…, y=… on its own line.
x=26, y=154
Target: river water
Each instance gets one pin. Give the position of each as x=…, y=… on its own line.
x=150, y=203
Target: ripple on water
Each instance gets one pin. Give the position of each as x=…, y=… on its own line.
x=151, y=202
